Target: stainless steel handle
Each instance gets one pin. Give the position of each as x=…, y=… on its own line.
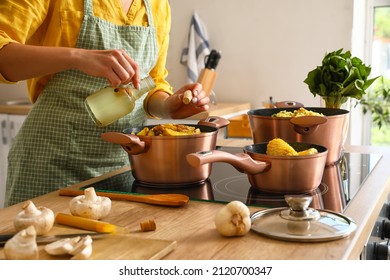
x=12, y=131
x=4, y=132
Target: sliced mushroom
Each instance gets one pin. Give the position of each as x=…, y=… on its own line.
x=62, y=246
x=22, y=246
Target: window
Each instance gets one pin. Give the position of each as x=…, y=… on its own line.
x=378, y=56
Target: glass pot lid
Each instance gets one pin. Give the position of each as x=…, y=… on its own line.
x=298, y=222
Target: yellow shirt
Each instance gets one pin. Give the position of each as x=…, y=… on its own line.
x=57, y=23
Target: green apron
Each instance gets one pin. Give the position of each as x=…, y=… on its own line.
x=58, y=144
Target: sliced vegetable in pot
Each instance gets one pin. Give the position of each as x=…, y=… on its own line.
x=301, y=112
x=279, y=147
x=169, y=130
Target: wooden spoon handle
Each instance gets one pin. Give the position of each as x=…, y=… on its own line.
x=157, y=199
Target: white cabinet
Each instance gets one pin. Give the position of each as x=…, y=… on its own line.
x=9, y=127
x=4, y=147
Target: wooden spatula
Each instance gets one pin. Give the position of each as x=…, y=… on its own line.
x=157, y=199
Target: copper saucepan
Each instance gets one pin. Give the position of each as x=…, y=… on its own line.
x=161, y=160
x=279, y=174
x=329, y=131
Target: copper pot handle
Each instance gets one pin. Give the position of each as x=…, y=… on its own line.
x=241, y=161
x=214, y=121
x=288, y=104
x=131, y=143
x=307, y=124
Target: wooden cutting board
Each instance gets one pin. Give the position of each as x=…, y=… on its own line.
x=120, y=247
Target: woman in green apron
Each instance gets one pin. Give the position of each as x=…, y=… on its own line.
x=58, y=144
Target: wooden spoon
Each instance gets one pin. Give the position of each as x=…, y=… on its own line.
x=157, y=199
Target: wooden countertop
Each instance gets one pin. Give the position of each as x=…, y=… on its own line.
x=219, y=109
x=15, y=109
x=225, y=109
x=192, y=226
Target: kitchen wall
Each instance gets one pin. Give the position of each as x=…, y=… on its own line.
x=268, y=47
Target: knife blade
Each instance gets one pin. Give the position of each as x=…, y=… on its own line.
x=45, y=239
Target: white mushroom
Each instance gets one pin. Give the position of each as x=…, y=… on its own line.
x=22, y=246
x=233, y=219
x=90, y=205
x=42, y=218
x=62, y=246
x=79, y=248
x=83, y=254
x=83, y=249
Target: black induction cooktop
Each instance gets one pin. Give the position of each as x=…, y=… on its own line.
x=340, y=183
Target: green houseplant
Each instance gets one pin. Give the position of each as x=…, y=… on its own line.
x=377, y=102
x=340, y=77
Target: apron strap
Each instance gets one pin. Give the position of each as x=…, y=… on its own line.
x=88, y=7
x=88, y=10
x=149, y=13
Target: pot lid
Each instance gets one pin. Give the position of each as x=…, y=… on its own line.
x=298, y=222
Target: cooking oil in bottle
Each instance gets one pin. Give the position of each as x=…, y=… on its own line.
x=109, y=104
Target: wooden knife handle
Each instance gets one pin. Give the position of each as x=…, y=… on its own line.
x=85, y=223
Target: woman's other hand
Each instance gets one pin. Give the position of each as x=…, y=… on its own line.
x=175, y=108
x=163, y=105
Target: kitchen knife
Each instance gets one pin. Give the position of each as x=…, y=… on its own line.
x=45, y=239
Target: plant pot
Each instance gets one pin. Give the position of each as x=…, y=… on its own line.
x=334, y=101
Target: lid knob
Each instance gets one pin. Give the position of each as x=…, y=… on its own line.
x=299, y=208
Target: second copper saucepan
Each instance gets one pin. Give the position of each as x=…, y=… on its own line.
x=329, y=131
x=282, y=174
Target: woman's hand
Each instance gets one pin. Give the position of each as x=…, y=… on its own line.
x=114, y=65
x=175, y=108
